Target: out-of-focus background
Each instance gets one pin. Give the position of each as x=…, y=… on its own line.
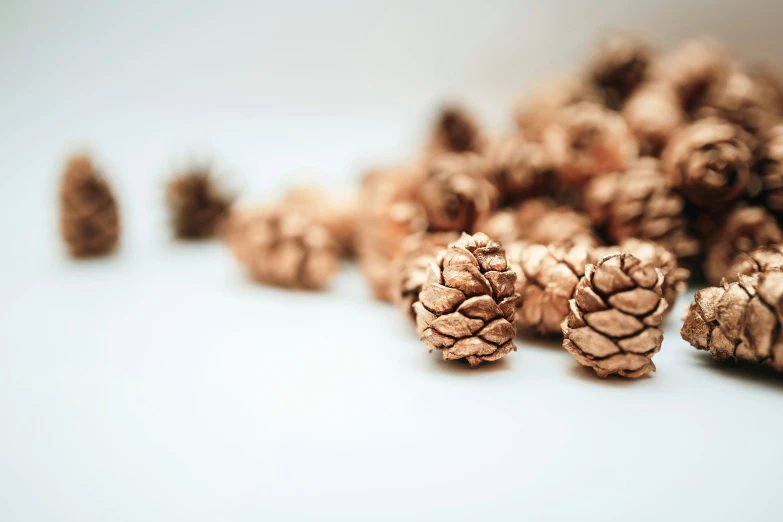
x=160, y=385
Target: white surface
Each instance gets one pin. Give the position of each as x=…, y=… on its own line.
x=159, y=385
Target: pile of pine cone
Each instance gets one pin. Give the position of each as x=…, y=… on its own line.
x=621, y=181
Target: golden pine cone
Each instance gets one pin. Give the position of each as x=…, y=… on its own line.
x=516, y=168
x=761, y=259
x=89, y=218
x=282, y=247
x=339, y=216
x=709, y=162
x=455, y=130
x=409, y=270
x=546, y=278
x=653, y=113
x=770, y=168
x=466, y=307
x=198, y=207
x=740, y=320
x=742, y=230
x=618, y=67
x=456, y=192
x=638, y=203
x=587, y=140
x=612, y=324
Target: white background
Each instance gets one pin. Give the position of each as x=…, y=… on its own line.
x=160, y=385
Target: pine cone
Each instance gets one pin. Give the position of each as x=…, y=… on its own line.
x=762, y=259
x=89, y=219
x=769, y=82
x=709, y=162
x=516, y=168
x=466, y=306
x=198, y=207
x=675, y=277
x=409, y=270
x=455, y=131
x=619, y=67
x=546, y=279
x=638, y=203
x=742, y=230
x=770, y=168
x=654, y=115
x=739, y=320
x=588, y=140
x=338, y=216
x=612, y=325
x=457, y=192
x=282, y=247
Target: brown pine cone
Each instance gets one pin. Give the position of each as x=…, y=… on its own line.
x=675, y=277
x=742, y=230
x=466, y=306
x=709, y=162
x=282, y=247
x=587, y=140
x=739, y=321
x=456, y=192
x=89, y=219
x=546, y=278
x=612, y=324
x=516, y=168
x=769, y=82
x=653, y=113
x=455, y=131
x=619, y=66
x=770, y=168
x=409, y=270
x=198, y=207
x=762, y=259
x=339, y=216
x=638, y=203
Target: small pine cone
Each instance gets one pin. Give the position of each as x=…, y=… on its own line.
x=455, y=131
x=654, y=115
x=466, y=306
x=409, y=270
x=638, y=203
x=537, y=110
x=588, y=140
x=516, y=168
x=546, y=278
x=198, y=207
x=675, y=277
x=456, y=192
x=762, y=259
x=739, y=321
x=742, y=230
x=612, y=324
x=619, y=66
x=692, y=70
x=282, y=247
x=89, y=219
x=770, y=168
x=339, y=216
x=709, y=162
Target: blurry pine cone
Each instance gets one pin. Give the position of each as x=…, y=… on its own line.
x=89, y=219
x=761, y=259
x=675, y=277
x=588, y=140
x=546, y=278
x=739, y=321
x=516, y=168
x=456, y=192
x=282, y=247
x=339, y=216
x=770, y=84
x=409, y=270
x=466, y=306
x=388, y=213
x=537, y=110
x=742, y=230
x=770, y=168
x=709, y=162
x=654, y=115
x=639, y=203
x=612, y=325
x=619, y=67
x=455, y=131
x=198, y=207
